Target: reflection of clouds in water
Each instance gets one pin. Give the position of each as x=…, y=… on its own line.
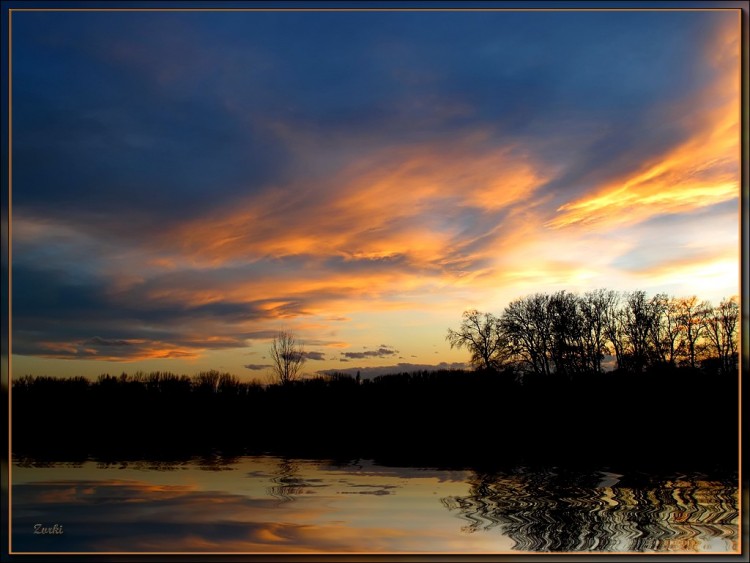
x=99, y=497
x=133, y=516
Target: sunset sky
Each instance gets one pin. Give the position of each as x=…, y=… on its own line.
x=186, y=184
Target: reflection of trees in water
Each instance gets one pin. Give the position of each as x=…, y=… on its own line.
x=563, y=511
x=287, y=483
x=217, y=462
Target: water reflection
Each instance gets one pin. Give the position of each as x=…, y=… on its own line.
x=288, y=483
x=137, y=516
x=269, y=504
x=563, y=511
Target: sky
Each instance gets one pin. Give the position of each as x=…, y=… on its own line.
x=187, y=184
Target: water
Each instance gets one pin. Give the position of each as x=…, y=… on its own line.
x=275, y=505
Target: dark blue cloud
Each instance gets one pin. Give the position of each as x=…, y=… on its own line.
x=382, y=352
x=258, y=367
x=313, y=355
x=84, y=318
x=101, y=128
x=164, y=114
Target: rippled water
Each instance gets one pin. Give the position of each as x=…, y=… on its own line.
x=560, y=511
x=271, y=504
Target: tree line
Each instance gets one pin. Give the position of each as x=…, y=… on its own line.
x=446, y=418
x=210, y=382
x=566, y=333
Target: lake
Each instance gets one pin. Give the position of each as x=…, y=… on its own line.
x=267, y=504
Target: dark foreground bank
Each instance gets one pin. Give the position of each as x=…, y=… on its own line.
x=670, y=420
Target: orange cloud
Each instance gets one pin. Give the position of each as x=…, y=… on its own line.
x=397, y=202
x=124, y=351
x=703, y=170
x=391, y=228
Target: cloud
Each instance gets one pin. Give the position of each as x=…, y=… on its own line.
x=257, y=367
x=445, y=187
x=702, y=169
x=382, y=352
x=316, y=356
x=98, y=341
x=59, y=316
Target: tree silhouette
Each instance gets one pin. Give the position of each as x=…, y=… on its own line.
x=480, y=334
x=592, y=308
x=665, y=331
x=287, y=357
x=720, y=329
x=692, y=315
x=526, y=322
x=614, y=325
x=639, y=318
x=569, y=335
x=566, y=332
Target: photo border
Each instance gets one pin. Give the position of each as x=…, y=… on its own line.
x=8, y=8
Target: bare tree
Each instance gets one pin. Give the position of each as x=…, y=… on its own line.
x=593, y=308
x=213, y=382
x=665, y=331
x=527, y=324
x=480, y=334
x=639, y=319
x=287, y=357
x=207, y=381
x=720, y=326
x=692, y=314
x=566, y=332
x=614, y=325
